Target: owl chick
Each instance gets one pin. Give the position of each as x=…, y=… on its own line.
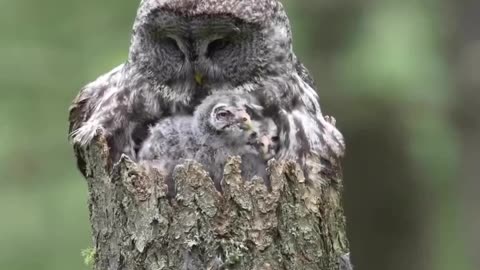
x=170, y=141
x=266, y=142
x=223, y=125
x=219, y=128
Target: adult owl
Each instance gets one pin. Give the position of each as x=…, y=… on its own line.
x=182, y=51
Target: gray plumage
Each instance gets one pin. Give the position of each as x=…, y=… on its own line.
x=170, y=142
x=266, y=144
x=220, y=128
x=181, y=51
x=268, y=140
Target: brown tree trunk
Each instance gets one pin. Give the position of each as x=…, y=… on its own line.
x=296, y=225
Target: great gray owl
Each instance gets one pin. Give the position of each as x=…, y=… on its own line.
x=181, y=51
x=221, y=126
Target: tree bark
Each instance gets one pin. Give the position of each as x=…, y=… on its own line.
x=295, y=225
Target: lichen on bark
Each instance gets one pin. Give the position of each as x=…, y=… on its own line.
x=295, y=224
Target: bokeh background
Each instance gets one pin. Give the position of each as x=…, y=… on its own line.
x=401, y=77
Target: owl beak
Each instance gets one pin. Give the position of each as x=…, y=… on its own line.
x=244, y=120
x=264, y=143
x=199, y=78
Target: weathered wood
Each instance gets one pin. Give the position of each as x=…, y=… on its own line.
x=296, y=225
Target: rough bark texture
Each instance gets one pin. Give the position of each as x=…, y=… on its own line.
x=296, y=225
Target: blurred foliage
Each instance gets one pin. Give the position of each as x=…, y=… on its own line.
x=383, y=71
x=89, y=257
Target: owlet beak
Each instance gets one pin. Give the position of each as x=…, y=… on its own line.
x=245, y=121
x=264, y=143
x=248, y=125
x=199, y=78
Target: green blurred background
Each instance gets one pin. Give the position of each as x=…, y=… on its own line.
x=401, y=77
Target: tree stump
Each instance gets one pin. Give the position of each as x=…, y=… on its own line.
x=295, y=225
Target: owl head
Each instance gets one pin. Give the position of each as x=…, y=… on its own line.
x=185, y=44
x=227, y=115
x=266, y=137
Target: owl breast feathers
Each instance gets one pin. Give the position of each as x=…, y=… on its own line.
x=184, y=51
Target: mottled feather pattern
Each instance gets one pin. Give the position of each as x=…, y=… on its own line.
x=257, y=11
x=243, y=45
x=85, y=102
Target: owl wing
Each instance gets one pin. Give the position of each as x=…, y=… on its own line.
x=304, y=73
x=303, y=127
x=80, y=109
x=83, y=105
x=88, y=98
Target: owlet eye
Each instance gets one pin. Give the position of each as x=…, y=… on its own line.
x=275, y=139
x=223, y=114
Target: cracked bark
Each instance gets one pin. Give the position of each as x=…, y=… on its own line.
x=296, y=225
